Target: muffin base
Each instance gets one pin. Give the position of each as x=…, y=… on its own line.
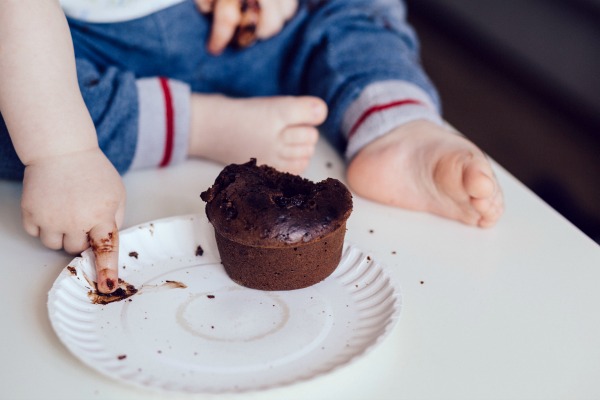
x=282, y=268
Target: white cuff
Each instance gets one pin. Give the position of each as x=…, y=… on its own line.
x=164, y=123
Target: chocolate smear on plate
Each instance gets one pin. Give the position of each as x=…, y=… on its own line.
x=124, y=291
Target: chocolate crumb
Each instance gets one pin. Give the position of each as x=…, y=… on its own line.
x=369, y=258
x=110, y=284
x=422, y=282
x=134, y=254
x=72, y=270
x=371, y=231
x=210, y=296
x=394, y=252
x=199, y=251
x=122, y=356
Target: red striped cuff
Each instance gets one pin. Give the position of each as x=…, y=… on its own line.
x=164, y=123
x=378, y=108
x=382, y=107
x=169, y=122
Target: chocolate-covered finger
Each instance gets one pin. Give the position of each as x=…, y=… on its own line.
x=104, y=241
x=245, y=34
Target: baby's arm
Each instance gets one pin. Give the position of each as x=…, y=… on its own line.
x=70, y=188
x=251, y=18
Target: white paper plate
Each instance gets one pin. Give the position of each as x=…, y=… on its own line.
x=209, y=334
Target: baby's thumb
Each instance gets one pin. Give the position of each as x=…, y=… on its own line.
x=104, y=241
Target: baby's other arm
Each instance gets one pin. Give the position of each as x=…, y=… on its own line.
x=249, y=18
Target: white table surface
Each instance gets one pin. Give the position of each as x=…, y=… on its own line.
x=512, y=312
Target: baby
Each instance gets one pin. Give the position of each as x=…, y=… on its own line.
x=154, y=82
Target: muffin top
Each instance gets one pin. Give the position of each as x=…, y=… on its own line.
x=260, y=206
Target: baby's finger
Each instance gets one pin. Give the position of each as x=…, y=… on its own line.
x=50, y=239
x=205, y=6
x=120, y=215
x=75, y=243
x=30, y=227
x=104, y=241
x=287, y=8
x=271, y=21
x=226, y=18
x=273, y=16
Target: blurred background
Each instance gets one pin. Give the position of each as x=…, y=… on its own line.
x=521, y=78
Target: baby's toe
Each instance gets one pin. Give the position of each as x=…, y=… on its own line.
x=301, y=110
x=297, y=152
x=293, y=166
x=490, y=209
x=478, y=179
x=298, y=142
x=296, y=135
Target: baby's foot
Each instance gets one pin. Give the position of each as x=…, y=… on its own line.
x=278, y=131
x=422, y=166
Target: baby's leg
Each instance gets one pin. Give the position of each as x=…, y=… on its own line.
x=278, y=131
x=426, y=167
x=383, y=106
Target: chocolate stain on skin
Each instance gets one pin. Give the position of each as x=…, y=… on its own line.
x=245, y=34
x=104, y=245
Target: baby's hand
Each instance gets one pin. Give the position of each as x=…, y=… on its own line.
x=245, y=20
x=75, y=201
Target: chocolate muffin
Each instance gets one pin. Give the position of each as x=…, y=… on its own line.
x=274, y=230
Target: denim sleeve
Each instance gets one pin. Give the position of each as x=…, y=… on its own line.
x=11, y=166
x=111, y=98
